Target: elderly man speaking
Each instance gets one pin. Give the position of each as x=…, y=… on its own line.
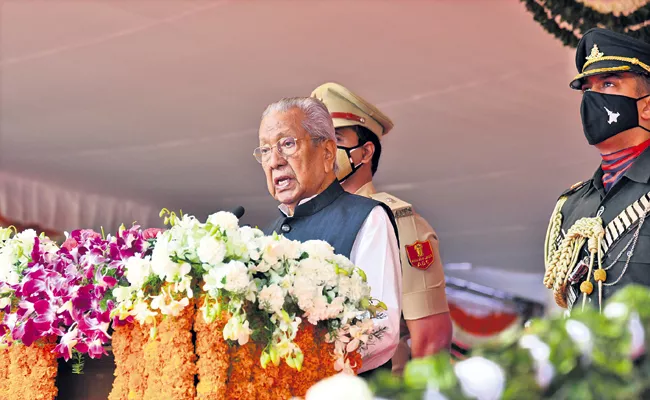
x=298, y=152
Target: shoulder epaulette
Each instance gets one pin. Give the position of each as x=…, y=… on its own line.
x=399, y=207
x=574, y=188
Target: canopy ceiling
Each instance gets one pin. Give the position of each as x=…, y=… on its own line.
x=159, y=102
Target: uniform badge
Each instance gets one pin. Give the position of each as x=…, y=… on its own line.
x=420, y=254
x=595, y=53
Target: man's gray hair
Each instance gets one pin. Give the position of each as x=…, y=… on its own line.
x=317, y=120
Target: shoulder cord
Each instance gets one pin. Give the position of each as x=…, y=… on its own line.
x=564, y=258
x=550, y=243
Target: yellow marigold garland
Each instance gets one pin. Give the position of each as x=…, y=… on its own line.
x=240, y=385
x=310, y=371
x=128, y=348
x=264, y=379
x=213, y=357
x=32, y=371
x=170, y=359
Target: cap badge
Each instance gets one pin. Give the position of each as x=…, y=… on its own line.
x=595, y=53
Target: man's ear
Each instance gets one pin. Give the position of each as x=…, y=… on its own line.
x=368, y=152
x=644, y=111
x=329, y=147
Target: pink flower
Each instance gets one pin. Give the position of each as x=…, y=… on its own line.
x=151, y=233
x=89, y=234
x=70, y=244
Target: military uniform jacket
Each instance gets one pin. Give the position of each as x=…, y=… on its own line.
x=620, y=210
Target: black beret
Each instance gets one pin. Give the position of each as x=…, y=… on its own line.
x=602, y=51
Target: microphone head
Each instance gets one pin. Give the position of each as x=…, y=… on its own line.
x=238, y=211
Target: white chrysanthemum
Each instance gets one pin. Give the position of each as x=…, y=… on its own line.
x=224, y=220
x=353, y=287
x=250, y=237
x=211, y=251
x=341, y=387
x=248, y=234
x=237, y=279
x=480, y=378
x=271, y=299
x=318, y=249
x=318, y=271
x=26, y=238
x=137, y=270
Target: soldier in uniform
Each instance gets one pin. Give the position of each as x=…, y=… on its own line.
x=598, y=240
x=360, y=127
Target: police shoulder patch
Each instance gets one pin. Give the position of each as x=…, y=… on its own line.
x=399, y=207
x=420, y=254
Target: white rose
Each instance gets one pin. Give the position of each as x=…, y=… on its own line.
x=224, y=220
x=237, y=279
x=480, y=378
x=318, y=249
x=137, y=270
x=271, y=298
x=341, y=387
x=211, y=251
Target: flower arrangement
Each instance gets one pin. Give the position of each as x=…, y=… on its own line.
x=56, y=301
x=271, y=316
x=259, y=292
x=586, y=356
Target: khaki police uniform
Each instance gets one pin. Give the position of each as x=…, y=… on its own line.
x=598, y=241
x=423, y=279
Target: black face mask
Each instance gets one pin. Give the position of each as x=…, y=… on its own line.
x=606, y=115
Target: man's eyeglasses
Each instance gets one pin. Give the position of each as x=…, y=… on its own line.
x=286, y=147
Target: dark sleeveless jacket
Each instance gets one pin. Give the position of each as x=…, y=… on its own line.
x=334, y=216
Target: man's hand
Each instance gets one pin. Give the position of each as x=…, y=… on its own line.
x=430, y=335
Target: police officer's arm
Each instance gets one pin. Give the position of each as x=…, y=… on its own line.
x=425, y=302
x=430, y=334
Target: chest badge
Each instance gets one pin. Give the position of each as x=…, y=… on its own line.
x=420, y=254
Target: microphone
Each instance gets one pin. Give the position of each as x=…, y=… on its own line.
x=238, y=211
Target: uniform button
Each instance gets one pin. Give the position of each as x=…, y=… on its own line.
x=286, y=228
